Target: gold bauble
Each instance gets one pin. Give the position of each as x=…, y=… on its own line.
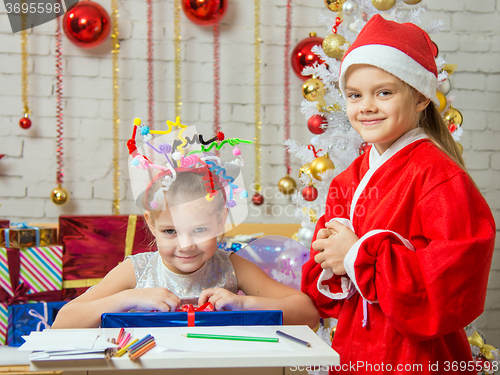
x=460, y=147
x=442, y=101
x=334, y=5
x=313, y=89
x=59, y=196
x=412, y=2
x=305, y=169
x=454, y=116
x=331, y=46
x=383, y=4
x=332, y=332
x=287, y=185
x=320, y=165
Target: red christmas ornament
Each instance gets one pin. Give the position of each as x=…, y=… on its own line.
x=257, y=199
x=363, y=148
x=310, y=193
x=314, y=124
x=25, y=123
x=452, y=127
x=302, y=55
x=87, y=24
x=204, y=12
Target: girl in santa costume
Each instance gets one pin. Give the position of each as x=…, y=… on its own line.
x=402, y=255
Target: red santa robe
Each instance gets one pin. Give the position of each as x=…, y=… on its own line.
x=418, y=273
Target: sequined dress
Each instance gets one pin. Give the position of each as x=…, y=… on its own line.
x=217, y=272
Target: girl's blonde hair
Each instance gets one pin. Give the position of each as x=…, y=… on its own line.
x=431, y=121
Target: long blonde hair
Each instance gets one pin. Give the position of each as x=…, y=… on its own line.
x=431, y=121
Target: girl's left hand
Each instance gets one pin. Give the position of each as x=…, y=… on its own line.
x=334, y=248
x=222, y=299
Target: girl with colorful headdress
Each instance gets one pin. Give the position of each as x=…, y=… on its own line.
x=189, y=198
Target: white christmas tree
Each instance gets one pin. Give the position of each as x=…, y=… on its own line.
x=325, y=109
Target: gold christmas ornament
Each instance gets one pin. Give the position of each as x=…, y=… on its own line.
x=454, y=116
x=313, y=89
x=460, y=147
x=305, y=169
x=334, y=5
x=59, y=196
x=287, y=185
x=320, y=165
x=332, y=332
x=331, y=46
x=442, y=101
x=412, y=2
x=383, y=4
x=450, y=68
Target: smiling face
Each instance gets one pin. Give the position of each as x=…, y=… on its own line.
x=381, y=107
x=186, y=235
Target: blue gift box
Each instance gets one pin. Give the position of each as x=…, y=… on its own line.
x=201, y=318
x=28, y=317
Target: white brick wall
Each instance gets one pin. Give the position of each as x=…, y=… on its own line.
x=471, y=40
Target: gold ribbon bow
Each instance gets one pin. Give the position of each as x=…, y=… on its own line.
x=476, y=340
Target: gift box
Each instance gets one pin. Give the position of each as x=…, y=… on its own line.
x=238, y=242
x=94, y=245
x=29, y=317
x=202, y=318
x=4, y=223
x=21, y=235
x=33, y=273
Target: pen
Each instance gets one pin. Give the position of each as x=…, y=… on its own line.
x=226, y=337
x=293, y=338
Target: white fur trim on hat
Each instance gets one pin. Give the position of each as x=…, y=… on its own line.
x=393, y=61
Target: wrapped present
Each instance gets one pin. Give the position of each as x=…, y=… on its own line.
x=33, y=273
x=94, y=245
x=21, y=235
x=29, y=317
x=201, y=318
x=238, y=242
x=4, y=314
x=4, y=223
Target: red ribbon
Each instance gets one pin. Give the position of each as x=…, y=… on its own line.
x=19, y=294
x=313, y=149
x=191, y=310
x=338, y=21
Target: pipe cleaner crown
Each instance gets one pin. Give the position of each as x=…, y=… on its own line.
x=165, y=154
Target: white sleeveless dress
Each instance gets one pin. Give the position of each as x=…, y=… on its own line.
x=217, y=272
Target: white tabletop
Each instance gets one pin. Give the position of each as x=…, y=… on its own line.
x=318, y=354
x=10, y=356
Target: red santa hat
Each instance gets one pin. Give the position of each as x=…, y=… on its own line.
x=402, y=49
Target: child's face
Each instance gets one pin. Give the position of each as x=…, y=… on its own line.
x=381, y=107
x=186, y=235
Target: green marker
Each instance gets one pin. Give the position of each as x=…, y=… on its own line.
x=226, y=337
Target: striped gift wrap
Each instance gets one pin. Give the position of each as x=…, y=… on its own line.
x=41, y=268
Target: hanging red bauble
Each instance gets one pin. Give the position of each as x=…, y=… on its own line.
x=310, y=193
x=302, y=55
x=25, y=123
x=204, y=12
x=314, y=124
x=87, y=24
x=257, y=199
x=363, y=148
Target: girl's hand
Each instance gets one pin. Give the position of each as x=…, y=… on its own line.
x=222, y=299
x=148, y=299
x=334, y=248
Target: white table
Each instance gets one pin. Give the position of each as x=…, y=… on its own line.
x=187, y=363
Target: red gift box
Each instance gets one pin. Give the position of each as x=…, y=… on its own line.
x=94, y=245
x=4, y=223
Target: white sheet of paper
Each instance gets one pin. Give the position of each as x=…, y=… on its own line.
x=172, y=340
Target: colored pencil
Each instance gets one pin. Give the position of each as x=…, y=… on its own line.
x=294, y=338
x=142, y=351
x=125, y=340
x=228, y=337
x=120, y=335
x=142, y=344
x=122, y=351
